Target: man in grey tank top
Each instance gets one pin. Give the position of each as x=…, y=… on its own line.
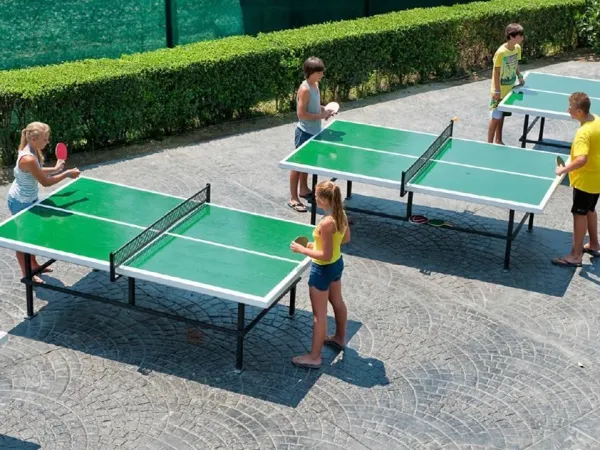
x=310, y=113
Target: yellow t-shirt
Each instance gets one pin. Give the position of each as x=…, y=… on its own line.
x=587, y=142
x=338, y=236
x=508, y=61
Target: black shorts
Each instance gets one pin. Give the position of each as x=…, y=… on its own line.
x=583, y=202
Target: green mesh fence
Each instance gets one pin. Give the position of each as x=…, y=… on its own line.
x=40, y=32
x=201, y=20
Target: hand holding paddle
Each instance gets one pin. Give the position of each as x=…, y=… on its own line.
x=560, y=166
x=331, y=109
x=299, y=244
x=61, y=156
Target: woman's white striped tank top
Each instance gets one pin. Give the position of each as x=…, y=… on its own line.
x=25, y=187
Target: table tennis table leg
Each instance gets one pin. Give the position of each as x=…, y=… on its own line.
x=293, y=300
x=348, y=189
x=409, y=205
x=509, y=238
x=239, y=356
x=29, y=286
x=541, y=136
x=313, y=206
x=525, y=127
x=131, y=288
x=530, y=226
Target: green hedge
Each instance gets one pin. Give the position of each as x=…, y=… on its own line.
x=94, y=104
x=588, y=23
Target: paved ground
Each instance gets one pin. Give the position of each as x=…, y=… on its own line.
x=446, y=350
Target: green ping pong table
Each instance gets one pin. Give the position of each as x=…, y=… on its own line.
x=496, y=175
x=191, y=244
x=545, y=96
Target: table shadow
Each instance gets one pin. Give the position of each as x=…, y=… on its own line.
x=151, y=344
x=446, y=251
x=12, y=443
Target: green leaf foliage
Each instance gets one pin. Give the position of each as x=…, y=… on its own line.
x=588, y=23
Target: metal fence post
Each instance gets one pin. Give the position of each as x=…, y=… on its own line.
x=171, y=22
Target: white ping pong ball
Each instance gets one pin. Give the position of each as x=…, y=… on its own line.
x=333, y=156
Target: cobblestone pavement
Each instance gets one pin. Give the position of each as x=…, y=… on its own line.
x=446, y=350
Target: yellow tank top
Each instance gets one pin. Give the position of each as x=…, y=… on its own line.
x=337, y=244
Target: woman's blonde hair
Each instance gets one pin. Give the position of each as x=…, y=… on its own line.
x=330, y=192
x=34, y=130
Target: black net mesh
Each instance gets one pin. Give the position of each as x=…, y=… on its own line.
x=158, y=228
x=431, y=151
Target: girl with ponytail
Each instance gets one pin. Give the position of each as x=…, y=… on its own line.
x=325, y=280
x=29, y=172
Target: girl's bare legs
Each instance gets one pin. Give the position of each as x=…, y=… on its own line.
x=340, y=311
x=34, y=265
x=318, y=300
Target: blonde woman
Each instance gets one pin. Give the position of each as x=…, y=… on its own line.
x=28, y=172
x=325, y=280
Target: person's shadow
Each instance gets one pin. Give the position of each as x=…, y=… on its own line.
x=357, y=370
x=328, y=135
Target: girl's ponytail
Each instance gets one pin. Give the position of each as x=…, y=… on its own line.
x=328, y=190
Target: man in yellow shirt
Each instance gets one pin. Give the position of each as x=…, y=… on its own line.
x=584, y=177
x=506, y=71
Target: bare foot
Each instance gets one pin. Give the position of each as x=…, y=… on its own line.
x=46, y=270
x=38, y=279
x=306, y=361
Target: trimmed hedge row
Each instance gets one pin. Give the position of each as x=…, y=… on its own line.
x=94, y=104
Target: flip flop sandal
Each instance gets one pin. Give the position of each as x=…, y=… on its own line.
x=298, y=207
x=333, y=344
x=306, y=365
x=563, y=263
x=594, y=253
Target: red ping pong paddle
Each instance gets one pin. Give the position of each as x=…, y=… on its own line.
x=61, y=151
x=418, y=219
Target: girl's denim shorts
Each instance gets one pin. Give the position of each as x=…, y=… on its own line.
x=321, y=276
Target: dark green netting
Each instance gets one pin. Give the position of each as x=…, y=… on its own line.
x=39, y=32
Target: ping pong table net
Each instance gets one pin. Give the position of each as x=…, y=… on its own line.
x=424, y=160
x=171, y=218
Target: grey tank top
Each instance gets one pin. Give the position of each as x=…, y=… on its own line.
x=314, y=107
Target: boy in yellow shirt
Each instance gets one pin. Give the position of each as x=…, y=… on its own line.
x=584, y=177
x=506, y=71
